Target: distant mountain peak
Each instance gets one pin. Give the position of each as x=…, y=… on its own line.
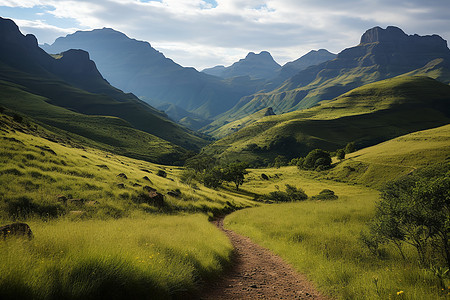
x=378, y=34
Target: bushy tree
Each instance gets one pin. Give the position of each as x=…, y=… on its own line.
x=317, y=158
x=416, y=210
x=280, y=161
x=212, y=178
x=350, y=147
x=340, y=154
x=235, y=173
x=200, y=162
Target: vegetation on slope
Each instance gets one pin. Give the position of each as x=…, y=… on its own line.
x=321, y=238
x=367, y=115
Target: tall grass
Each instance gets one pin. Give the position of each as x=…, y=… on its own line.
x=140, y=258
x=321, y=240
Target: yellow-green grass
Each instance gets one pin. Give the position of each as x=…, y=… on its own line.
x=39, y=170
x=367, y=115
x=100, y=131
x=147, y=257
x=321, y=239
x=376, y=165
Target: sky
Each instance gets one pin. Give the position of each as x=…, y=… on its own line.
x=206, y=33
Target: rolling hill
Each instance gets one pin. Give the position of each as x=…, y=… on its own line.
x=381, y=54
x=367, y=115
x=51, y=89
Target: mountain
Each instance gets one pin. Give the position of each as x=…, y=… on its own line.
x=367, y=115
x=381, y=54
x=136, y=67
x=313, y=57
x=68, y=92
x=257, y=66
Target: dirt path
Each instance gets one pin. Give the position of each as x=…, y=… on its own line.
x=258, y=274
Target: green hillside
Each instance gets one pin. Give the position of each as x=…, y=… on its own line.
x=381, y=54
x=379, y=164
x=367, y=115
x=109, y=133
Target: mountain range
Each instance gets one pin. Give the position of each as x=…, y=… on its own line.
x=377, y=90
x=68, y=92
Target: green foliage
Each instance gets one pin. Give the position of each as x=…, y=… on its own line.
x=340, y=154
x=212, y=178
x=291, y=194
x=235, y=172
x=200, y=162
x=280, y=161
x=317, y=159
x=325, y=194
x=416, y=210
x=349, y=148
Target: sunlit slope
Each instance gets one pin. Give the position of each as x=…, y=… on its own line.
x=367, y=115
x=40, y=170
x=387, y=161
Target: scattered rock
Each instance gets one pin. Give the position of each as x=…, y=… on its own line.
x=122, y=175
x=264, y=176
x=146, y=178
x=16, y=229
x=103, y=167
x=76, y=202
x=121, y=185
x=157, y=198
x=175, y=193
x=136, y=184
x=162, y=173
x=47, y=149
x=148, y=189
x=145, y=170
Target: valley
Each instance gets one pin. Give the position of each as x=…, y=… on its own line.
x=119, y=160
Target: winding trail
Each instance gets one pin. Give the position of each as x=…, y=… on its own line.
x=258, y=274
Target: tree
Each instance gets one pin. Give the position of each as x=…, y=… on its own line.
x=212, y=178
x=200, y=162
x=416, y=210
x=280, y=161
x=340, y=154
x=317, y=158
x=235, y=173
x=350, y=147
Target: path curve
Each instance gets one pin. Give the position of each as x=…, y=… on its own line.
x=257, y=273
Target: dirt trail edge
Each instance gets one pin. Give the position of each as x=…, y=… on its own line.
x=258, y=274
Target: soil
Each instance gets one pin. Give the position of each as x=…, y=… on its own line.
x=256, y=273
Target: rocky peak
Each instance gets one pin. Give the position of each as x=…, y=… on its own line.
x=269, y=112
x=378, y=34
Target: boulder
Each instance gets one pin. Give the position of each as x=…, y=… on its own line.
x=16, y=229
x=156, y=198
x=122, y=175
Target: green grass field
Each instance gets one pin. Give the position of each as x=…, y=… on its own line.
x=321, y=239
x=144, y=257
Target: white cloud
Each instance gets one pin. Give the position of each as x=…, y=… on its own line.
x=198, y=33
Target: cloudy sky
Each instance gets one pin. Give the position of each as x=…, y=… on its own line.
x=205, y=33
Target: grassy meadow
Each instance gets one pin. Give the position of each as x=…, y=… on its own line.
x=145, y=257
x=96, y=234
x=321, y=239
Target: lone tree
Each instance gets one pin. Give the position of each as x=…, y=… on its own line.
x=235, y=173
x=416, y=210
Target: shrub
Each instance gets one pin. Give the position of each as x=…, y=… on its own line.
x=291, y=194
x=325, y=194
x=317, y=158
x=350, y=147
x=340, y=154
x=416, y=210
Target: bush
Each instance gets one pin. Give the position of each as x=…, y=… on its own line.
x=325, y=194
x=317, y=159
x=291, y=194
x=340, y=154
x=416, y=210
